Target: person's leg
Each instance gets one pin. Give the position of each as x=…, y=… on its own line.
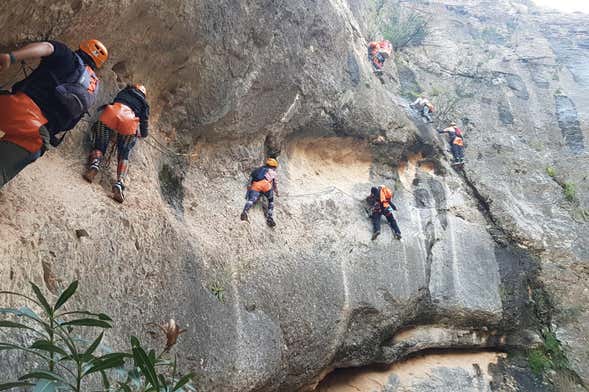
x=251, y=196
x=125, y=144
x=375, y=224
x=388, y=213
x=456, y=152
x=13, y=158
x=270, y=213
x=426, y=112
x=102, y=135
x=460, y=152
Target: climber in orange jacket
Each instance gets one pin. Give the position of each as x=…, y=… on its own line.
x=122, y=122
x=378, y=52
x=456, y=140
x=51, y=100
x=380, y=203
x=262, y=181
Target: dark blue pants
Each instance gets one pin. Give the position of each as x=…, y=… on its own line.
x=253, y=196
x=458, y=152
x=388, y=213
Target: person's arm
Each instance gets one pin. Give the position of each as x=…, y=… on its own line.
x=144, y=123
x=32, y=51
x=275, y=186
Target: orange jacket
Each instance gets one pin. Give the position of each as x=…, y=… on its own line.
x=385, y=196
x=20, y=120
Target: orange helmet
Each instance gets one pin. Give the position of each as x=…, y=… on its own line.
x=272, y=162
x=96, y=50
x=141, y=88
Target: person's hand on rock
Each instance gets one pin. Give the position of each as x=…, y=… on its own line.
x=4, y=61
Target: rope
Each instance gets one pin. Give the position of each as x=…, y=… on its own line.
x=325, y=191
x=159, y=146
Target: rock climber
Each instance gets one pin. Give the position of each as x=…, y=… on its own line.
x=122, y=122
x=380, y=203
x=456, y=140
x=262, y=181
x=51, y=100
x=424, y=106
x=378, y=52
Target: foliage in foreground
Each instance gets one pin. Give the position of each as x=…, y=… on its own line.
x=68, y=362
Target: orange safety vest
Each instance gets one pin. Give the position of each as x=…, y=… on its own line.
x=385, y=196
x=262, y=186
x=20, y=120
x=120, y=118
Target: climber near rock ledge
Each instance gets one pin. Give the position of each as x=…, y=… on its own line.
x=262, y=182
x=123, y=121
x=378, y=52
x=51, y=100
x=456, y=142
x=424, y=106
x=380, y=203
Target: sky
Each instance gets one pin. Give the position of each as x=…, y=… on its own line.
x=565, y=5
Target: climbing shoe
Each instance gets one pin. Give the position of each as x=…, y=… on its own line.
x=270, y=221
x=375, y=235
x=398, y=236
x=92, y=171
x=117, y=192
x=244, y=217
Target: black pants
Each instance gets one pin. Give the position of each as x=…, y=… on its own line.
x=458, y=152
x=388, y=213
x=13, y=158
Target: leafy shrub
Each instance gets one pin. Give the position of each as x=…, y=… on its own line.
x=570, y=193
x=549, y=356
x=66, y=362
x=551, y=171
x=539, y=361
x=403, y=27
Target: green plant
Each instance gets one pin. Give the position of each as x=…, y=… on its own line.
x=548, y=356
x=218, y=291
x=403, y=27
x=570, y=192
x=539, y=361
x=66, y=362
x=551, y=171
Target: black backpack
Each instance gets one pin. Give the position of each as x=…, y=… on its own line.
x=259, y=174
x=77, y=95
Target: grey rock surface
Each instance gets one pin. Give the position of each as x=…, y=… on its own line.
x=230, y=81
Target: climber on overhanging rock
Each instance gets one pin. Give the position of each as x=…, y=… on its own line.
x=52, y=99
x=262, y=182
x=123, y=121
x=380, y=203
x=378, y=52
x=424, y=106
x=456, y=140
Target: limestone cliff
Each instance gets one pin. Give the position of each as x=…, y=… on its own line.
x=493, y=260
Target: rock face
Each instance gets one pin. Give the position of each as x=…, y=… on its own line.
x=491, y=258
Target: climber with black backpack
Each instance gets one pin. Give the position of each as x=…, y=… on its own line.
x=262, y=182
x=123, y=121
x=49, y=101
x=380, y=203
